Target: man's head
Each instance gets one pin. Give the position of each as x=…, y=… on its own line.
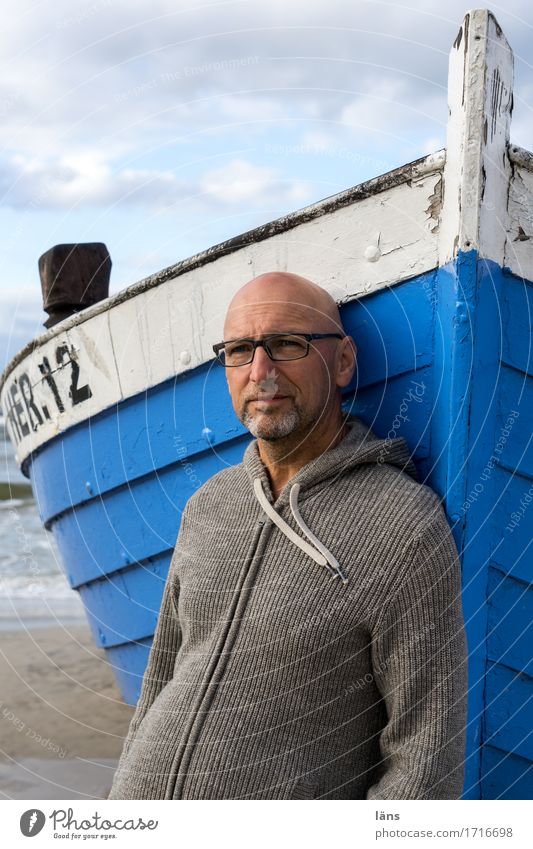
x=275, y=399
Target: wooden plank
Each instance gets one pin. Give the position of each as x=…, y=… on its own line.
x=517, y=320
x=513, y=443
x=510, y=524
x=133, y=523
x=519, y=243
x=477, y=171
x=505, y=776
x=510, y=622
x=129, y=662
x=509, y=699
x=125, y=606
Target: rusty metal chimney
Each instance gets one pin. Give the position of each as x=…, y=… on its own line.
x=73, y=277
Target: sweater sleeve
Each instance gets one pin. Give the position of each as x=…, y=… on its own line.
x=419, y=658
x=165, y=646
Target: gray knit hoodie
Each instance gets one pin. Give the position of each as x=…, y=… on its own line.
x=307, y=647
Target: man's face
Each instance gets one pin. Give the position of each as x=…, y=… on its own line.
x=274, y=399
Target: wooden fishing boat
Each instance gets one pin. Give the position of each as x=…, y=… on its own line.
x=118, y=412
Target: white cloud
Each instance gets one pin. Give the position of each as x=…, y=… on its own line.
x=86, y=178
x=247, y=109
x=121, y=74
x=395, y=110
x=242, y=182
x=88, y=90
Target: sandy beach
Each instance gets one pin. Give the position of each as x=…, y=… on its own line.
x=62, y=718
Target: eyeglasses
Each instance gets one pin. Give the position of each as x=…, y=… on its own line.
x=279, y=347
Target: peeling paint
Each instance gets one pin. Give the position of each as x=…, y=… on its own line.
x=435, y=205
x=520, y=156
x=522, y=237
x=519, y=247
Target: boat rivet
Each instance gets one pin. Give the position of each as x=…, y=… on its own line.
x=372, y=253
x=185, y=358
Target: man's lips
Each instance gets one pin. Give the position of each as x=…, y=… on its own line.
x=268, y=399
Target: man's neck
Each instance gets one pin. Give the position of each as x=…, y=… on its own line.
x=283, y=458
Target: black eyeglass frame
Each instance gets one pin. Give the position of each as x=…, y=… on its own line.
x=263, y=343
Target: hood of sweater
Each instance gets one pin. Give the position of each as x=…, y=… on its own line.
x=359, y=446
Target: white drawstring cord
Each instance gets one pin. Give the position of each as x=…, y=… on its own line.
x=293, y=501
x=320, y=553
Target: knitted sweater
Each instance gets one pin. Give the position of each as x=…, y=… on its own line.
x=316, y=650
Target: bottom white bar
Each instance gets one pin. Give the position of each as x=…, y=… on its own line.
x=261, y=824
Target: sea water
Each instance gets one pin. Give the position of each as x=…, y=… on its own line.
x=33, y=587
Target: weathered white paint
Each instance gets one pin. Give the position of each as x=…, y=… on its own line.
x=477, y=170
x=148, y=334
x=519, y=245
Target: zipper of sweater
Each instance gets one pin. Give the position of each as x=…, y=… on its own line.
x=176, y=783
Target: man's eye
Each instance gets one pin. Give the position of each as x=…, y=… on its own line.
x=237, y=349
x=290, y=343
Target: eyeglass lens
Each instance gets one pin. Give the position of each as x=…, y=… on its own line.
x=241, y=351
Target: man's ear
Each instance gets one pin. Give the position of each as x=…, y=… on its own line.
x=346, y=361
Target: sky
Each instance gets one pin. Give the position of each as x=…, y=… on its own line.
x=162, y=128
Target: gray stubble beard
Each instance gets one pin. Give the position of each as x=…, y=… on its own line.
x=272, y=428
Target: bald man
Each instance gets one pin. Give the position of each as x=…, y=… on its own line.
x=310, y=642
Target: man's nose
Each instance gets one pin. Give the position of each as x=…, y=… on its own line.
x=261, y=365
